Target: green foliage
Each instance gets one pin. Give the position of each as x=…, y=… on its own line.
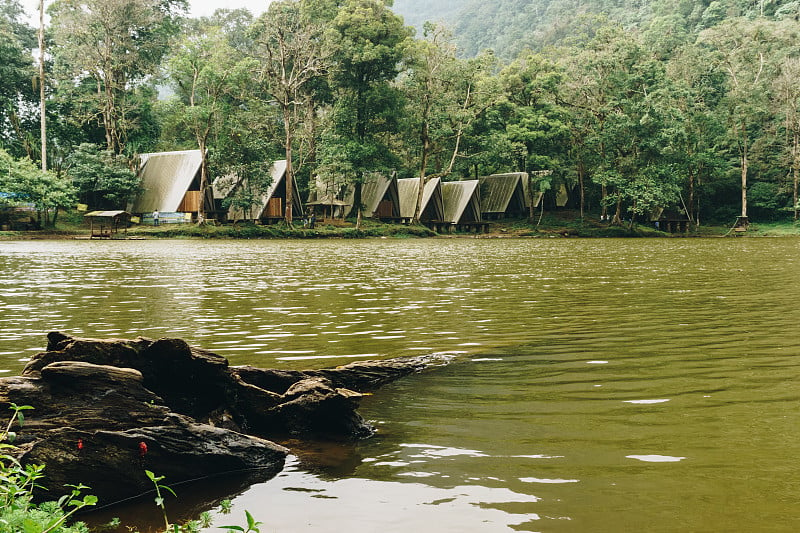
x=16, y=71
x=18, y=513
x=118, y=45
x=368, y=43
x=103, y=179
x=159, y=499
x=683, y=103
x=252, y=525
x=25, y=182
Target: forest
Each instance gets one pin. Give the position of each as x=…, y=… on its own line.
x=688, y=105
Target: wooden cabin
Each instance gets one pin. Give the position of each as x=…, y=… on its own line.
x=269, y=205
x=380, y=197
x=170, y=185
x=432, y=208
x=462, y=207
x=504, y=195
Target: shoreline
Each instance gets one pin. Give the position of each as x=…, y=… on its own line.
x=553, y=227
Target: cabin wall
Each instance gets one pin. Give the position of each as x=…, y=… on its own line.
x=190, y=202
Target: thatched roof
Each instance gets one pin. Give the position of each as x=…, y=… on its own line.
x=461, y=201
x=166, y=176
x=376, y=187
x=432, y=207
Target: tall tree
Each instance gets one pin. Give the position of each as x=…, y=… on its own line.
x=432, y=59
x=747, y=52
x=118, y=45
x=614, y=83
x=209, y=77
x=787, y=100
x=16, y=41
x=695, y=129
x=368, y=44
x=42, y=101
x=291, y=56
x=537, y=123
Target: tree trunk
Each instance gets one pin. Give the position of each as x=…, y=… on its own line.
x=581, y=183
x=289, y=178
x=531, y=198
x=420, y=192
x=201, y=209
x=618, y=211
x=795, y=167
x=690, y=207
x=426, y=146
x=357, y=199
x=744, y=178
x=43, y=121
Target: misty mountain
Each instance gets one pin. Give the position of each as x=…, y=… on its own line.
x=508, y=26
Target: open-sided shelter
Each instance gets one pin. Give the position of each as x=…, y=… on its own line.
x=462, y=205
x=170, y=183
x=331, y=206
x=270, y=205
x=106, y=224
x=379, y=196
x=432, y=208
x=504, y=195
x=669, y=220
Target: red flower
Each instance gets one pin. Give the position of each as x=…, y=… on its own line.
x=142, y=449
x=80, y=444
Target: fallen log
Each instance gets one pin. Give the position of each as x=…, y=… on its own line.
x=107, y=409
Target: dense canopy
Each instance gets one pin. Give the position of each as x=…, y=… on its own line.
x=688, y=105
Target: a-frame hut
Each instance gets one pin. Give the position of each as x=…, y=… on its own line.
x=562, y=196
x=379, y=196
x=462, y=205
x=170, y=184
x=270, y=205
x=432, y=208
x=327, y=195
x=504, y=195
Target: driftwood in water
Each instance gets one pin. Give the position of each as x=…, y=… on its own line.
x=106, y=410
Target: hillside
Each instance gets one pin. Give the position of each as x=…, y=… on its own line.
x=417, y=12
x=508, y=26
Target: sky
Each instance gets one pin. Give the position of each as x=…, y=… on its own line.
x=198, y=8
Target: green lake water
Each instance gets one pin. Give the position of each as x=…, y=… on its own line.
x=596, y=386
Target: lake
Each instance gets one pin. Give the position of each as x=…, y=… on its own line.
x=597, y=385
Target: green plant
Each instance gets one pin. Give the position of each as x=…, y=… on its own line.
x=192, y=526
x=159, y=497
x=17, y=483
x=225, y=506
x=252, y=525
x=205, y=519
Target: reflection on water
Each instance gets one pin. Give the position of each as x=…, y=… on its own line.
x=600, y=385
